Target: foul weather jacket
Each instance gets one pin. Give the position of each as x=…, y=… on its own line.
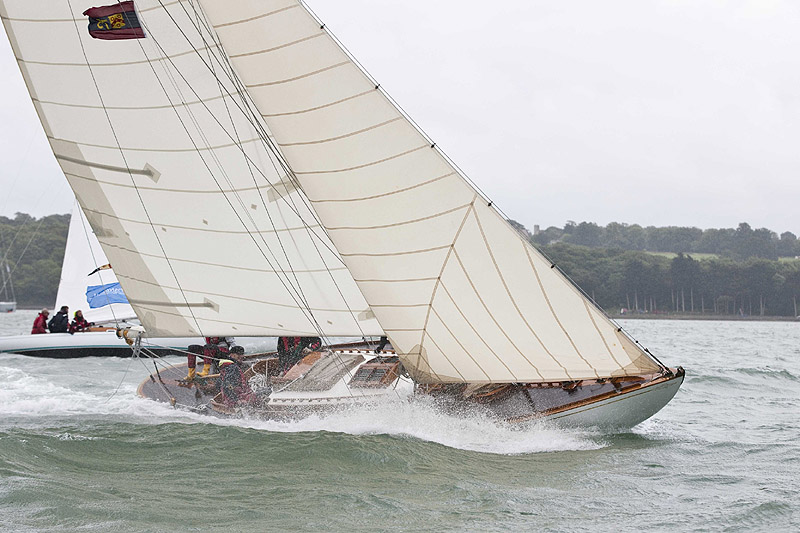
x=39, y=325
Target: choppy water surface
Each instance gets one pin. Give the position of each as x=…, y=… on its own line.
x=79, y=451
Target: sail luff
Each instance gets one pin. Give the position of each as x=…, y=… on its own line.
x=399, y=212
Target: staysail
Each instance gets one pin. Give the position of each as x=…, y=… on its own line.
x=82, y=269
x=461, y=295
x=204, y=230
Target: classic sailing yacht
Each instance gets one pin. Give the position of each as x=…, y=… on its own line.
x=246, y=177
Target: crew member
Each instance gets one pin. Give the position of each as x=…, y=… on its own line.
x=234, y=387
x=79, y=323
x=40, y=324
x=292, y=349
x=60, y=322
x=214, y=348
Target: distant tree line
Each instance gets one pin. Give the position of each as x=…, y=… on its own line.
x=34, y=249
x=740, y=243
x=739, y=272
x=611, y=264
x=647, y=283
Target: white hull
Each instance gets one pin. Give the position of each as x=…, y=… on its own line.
x=622, y=411
x=86, y=344
x=608, y=409
x=8, y=307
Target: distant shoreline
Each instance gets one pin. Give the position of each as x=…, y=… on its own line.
x=647, y=316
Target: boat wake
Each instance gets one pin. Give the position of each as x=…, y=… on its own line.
x=46, y=391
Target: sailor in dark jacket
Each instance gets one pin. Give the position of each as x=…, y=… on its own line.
x=234, y=387
x=60, y=322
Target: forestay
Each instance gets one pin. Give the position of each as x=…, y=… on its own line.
x=461, y=295
x=82, y=256
x=205, y=233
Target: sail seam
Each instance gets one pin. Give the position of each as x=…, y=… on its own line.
x=466, y=320
x=450, y=249
x=430, y=366
x=392, y=306
x=143, y=10
x=393, y=280
x=403, y=223
x=229, y=296
x=401, y=154
x=217, y=320
x=295, y=78
x=384, y=195
x=160, y=189
x=220, y=265
x=389, y=254
x=553, y=312
x=488, y=312
x=263, y=15
x=205, y=230
x=165, y=57
x=511, y=296
x=286, y=45
x=128, y=108
x=317, y=108
x=339, y=137
x=171, y=150
x=600, y=333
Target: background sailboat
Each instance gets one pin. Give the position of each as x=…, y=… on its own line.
x=8, y=304
x=245, y=176
x=85, y=265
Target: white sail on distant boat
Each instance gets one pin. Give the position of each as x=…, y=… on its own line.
x=9, y=304
x=87, y=281
x=85, y=286
x=246, y=177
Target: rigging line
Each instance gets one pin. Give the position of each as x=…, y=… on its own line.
x=18, y=172
x=307, y=312
x=79, y=212
x=130, y=360
x=124, y=159
x=265, y=137
x=16, y=263
x=250, y=170
x=253, y=118
x=314, y=321
x=19, y=230
x=241, y=92
x=272, y=149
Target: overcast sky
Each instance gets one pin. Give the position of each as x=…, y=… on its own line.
x=650, y=112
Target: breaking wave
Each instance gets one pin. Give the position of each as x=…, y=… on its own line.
x=46, y=389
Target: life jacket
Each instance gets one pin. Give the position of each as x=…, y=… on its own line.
x=59, y=323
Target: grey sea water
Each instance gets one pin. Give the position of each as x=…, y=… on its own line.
x=80, y=452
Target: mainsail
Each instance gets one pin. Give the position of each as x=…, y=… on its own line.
x=192, y=191
x=205, y=232
x=80, y=270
